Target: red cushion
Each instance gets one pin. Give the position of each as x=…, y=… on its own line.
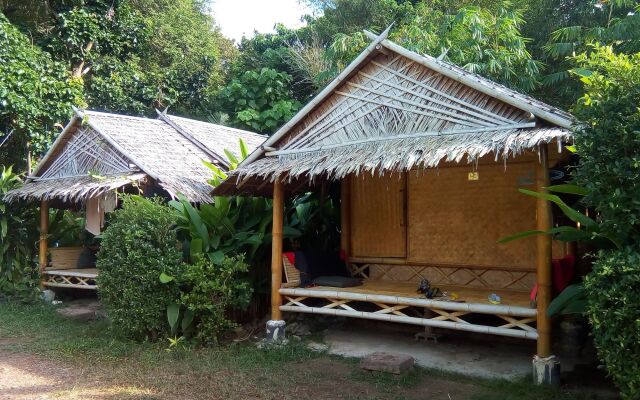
x=291, y=256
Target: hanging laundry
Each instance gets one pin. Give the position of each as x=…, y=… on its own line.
x=95, y=216
x=109, y=202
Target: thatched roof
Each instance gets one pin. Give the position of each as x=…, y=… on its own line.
x=99, y=151
x=394, y=110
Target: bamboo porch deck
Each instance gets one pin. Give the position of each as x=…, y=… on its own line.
x=397, y=300
x=74, y=278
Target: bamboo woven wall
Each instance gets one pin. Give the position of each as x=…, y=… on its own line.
x=378, y=216
x=455, y=220
x=455, y=276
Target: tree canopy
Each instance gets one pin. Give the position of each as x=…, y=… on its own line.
x=133, y=56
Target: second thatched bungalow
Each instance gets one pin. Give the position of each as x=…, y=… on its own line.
x=99, y=154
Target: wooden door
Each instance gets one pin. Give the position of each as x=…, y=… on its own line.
x=378, y=216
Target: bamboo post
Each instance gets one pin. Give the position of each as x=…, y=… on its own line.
x=44, y=233
x=276, y=250
x=345, y=217
x=543, y=211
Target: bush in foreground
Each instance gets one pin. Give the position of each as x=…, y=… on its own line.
x=139, y=244
x=212, y=289
x=608, y=141
x=18, y=236
x=613, y=290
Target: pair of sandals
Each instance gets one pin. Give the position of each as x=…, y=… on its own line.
x=428, y=291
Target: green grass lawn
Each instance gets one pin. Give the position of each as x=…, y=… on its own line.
x=97, y=363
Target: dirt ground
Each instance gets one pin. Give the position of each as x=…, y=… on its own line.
x=46, y=356
x=32, y=377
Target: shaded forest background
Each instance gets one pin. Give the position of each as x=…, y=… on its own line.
x=135, y=56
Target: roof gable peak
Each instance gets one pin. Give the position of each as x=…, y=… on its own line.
x=473, y=114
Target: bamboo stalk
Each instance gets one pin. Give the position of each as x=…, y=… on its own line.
x=44, y=233
x=75, y=274
x=543, y=257
x=495, y=309
x=276, y=249
x=413, y=111
x=328, y=119
x=486, y=118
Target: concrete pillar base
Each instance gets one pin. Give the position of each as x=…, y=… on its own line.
x=276, y=331
x=546, y=371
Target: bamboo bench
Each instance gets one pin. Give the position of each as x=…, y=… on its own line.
x=65, y=270
x=397, y=301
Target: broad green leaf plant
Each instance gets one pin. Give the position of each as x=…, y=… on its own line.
x=18, y=241
x=573, y=299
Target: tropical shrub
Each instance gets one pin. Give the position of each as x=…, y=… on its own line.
x=18, y=240
x=613, y=289
x=211, y=289
x=36, y=94
x=608, y=142
x=259, y=100
x=139, y=244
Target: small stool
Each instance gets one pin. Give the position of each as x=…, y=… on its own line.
x=429, y=333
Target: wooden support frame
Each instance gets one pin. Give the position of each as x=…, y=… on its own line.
x=442, y=314
x=43, y=258
x=276, y=249
x=543, y=255
x=73, y=279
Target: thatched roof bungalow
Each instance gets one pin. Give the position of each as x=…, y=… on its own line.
x=100, y=153
x=429, y=158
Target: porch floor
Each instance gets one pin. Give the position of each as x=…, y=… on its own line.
x=75, y=278
x=399, y=302
x=80, y=272
x=408, y=289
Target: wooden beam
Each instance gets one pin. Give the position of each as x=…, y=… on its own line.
x=345, y=217
x=543, y=258
x=276, y=249
x=44, y=245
